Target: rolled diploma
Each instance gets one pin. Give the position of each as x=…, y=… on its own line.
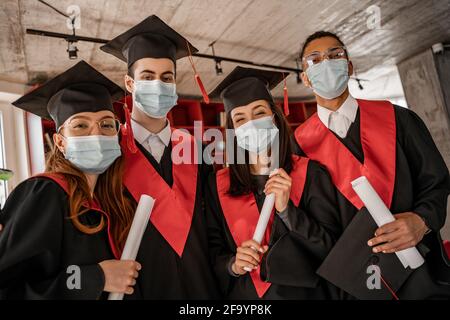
x=266, y=211
x=381, y=214
x=137, y=229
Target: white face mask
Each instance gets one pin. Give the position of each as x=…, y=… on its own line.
x=92, y=154
x=154, y=97
x=329, y=79
x=256, y=135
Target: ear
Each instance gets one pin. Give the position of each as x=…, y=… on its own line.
x=305, y=79
x=59, y=142
x=350, y=68
x=129, y=83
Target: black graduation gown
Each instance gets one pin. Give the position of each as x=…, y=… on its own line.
x=164, y=275
x=39, y=242
x=422, y=185
x=295, y=252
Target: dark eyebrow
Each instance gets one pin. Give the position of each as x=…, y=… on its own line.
x=153, y=72
x=257, y=106
x=105, y=117
x=87, y=118
x=315, y=51
x=77, y=117
x=147, y=71
x=337, y=47
x=330, y=48
x=237, y=114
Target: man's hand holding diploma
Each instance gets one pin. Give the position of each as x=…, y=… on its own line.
x=405, y=232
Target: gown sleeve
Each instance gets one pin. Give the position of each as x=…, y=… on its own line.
x=31, y=246
x=315, y=222
x=312, y=229
x=429, y=172
x=220, y=250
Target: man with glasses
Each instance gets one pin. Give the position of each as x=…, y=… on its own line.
x=392, y=147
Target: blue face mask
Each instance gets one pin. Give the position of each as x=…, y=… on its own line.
x=154, y=97
x=329, y=78
x=92, y=154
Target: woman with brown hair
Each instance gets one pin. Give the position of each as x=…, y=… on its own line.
x=64, y=230
x=303, y=229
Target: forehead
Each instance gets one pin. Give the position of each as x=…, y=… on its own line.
x=160, y=65
x=321, y=44
x=93, y=115
x=249, y=107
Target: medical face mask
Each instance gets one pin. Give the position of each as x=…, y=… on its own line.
x=154, y=97
x=256, y=135
x=329, y=78
x=92, y=154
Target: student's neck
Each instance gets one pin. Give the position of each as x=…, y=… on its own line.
x=333, y=104
x=259, y=165
x=92, y=181
x=154, y=125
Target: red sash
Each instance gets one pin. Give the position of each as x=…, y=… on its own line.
x=59, y=179
x=241, y=213
x=378, y=139
x=174, y=207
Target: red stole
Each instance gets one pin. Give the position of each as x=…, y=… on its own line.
x=59, y=179
x=241, y=213
x=378, y=139
x=174, y=207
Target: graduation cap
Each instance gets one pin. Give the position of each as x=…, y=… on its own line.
x=153, y=38
x=346, y=266
x=245, y=85
x=79, y=89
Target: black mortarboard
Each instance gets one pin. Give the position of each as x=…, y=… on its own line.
x=79, y=89
x=151, y=38
x=245, y=85
x=346, y=266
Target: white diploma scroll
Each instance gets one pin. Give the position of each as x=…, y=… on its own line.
x=264, y=216
x=137, y=229
x=380, y=213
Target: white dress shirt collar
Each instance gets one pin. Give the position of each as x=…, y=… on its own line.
x=141, y=134
x=348, y=109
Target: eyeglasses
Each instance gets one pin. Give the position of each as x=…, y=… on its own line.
x=317, y=57
x=84, y=127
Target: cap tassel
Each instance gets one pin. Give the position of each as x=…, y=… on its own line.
x=286, y=99
x=197, y=76
x=128, y=132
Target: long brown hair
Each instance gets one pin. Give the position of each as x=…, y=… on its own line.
x=240, y=177
x=108, y=192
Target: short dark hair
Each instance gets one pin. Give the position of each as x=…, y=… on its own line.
x=318, y=35
x=130, y=71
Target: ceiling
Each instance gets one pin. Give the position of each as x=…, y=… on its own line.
x=264, y=31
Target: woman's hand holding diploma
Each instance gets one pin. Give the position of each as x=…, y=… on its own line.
x=280, y=184
x=248, y=257
x=132, y=244
x=120, y=275
x=249, y=253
